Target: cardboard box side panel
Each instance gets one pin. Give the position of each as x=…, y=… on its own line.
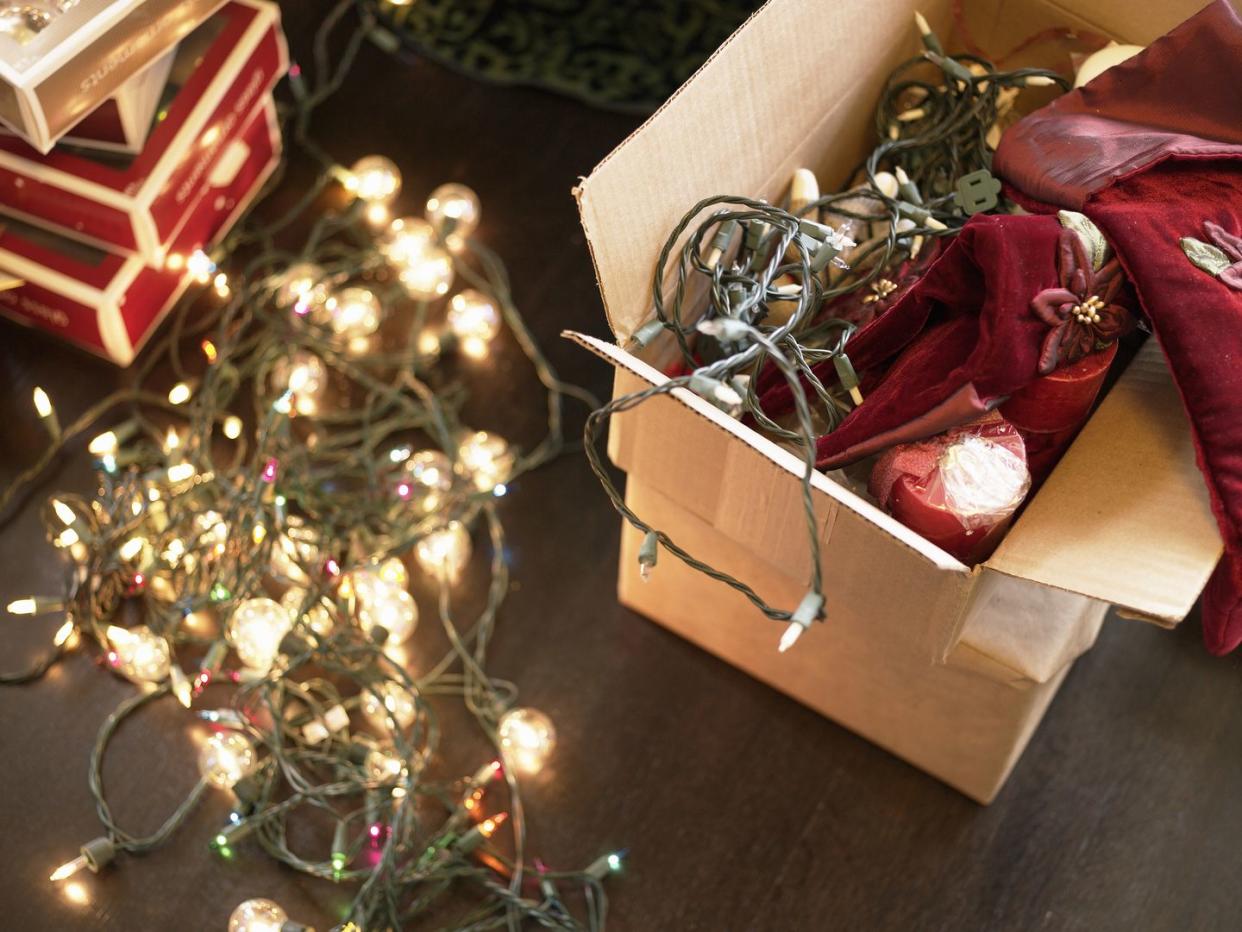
x=705, y=140
x=1125, y=516
x=961, y=727
x=1123, y=20
x=44, y=309
x=57, y=207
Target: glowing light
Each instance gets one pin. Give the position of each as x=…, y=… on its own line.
x=487, y=828
x=181, y=472
x=295, y=548
x=454, y=211
x=429, y=276
x=64, y=633
x=354, y=313
x=139, y=653
x=26, y=606
x=76, y=893
x=132, y=548
x=384, y=604
x=221, y=284
x=473, y=319
x=527, y=738
x=430, y=473
x=393, y=701
x=232, y=427
x=444, y=553
x=304, y=375
x=66, y=514
x=258, y=915
x=69, y=868
x=269, y=470
x=374, y=179
x=256, y=630
x=383, y=767
x=302, y=287
x=172, y=440
x=317, y=616
x=180, y=393
x=104, y=444
x=377, y=214
x=200, y=266
x=226, y=757
x=487, y=459
x=180, y=685
x=393, y=571
x=42, y=403
x=210, y=351
x=407, y=240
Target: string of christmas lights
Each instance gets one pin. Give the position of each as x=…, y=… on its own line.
x=257, y=527
x=756, y=285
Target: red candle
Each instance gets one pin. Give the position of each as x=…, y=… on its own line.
x=958, y=489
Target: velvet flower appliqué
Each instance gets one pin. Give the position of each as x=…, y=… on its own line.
x=1082, y=312
x=1221, y=258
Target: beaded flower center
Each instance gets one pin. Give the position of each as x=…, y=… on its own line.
x=1089, y=311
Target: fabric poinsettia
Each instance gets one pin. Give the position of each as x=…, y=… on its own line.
x=1081, y=311
x=1151, y=151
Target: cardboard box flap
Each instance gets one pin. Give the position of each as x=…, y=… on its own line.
x=1125, y=517
x=778, y=455
x=714, y=136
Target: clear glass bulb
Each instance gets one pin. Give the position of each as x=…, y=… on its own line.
x=474, y=320
x=430, y=475
x=354, y=312
x=394, y=701
x=383, y=767
x=140, y=653
x=226, y=757
x=444, y=553
x=256, y=630
x=212, y=531
x=393, y=571
x=304, y=374
x=428, y=276
x=318, y=617
x=486, y=459
x=257, y=915
x=385, y=604
x=374, y=179
x=526, y=739
x=407, y=239
x=298, y=546
x=454, y=211
x=302, y=287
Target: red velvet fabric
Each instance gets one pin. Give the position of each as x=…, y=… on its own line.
x=1150, y=151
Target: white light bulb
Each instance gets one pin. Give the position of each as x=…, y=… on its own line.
x=42, y=403
x=232, y=427
x=454, y=211
x=429, y=475
x=257, y=915
x=354, y=312
x=384, y=604
x=444, y=553
x=407, y=239
x=526, y=739
x=180, y=393
x=304, y=374
x=383, y=767
x=318, y=617
x=393, y=571
x=486, y=459
x=374, y=179
x=139, y=653
x=474, y=320
x=428, y=276
x=394, y=702
x=213, y=533
x=303, y=287
x=226, y=757
x=256, y=630
x=298, y=546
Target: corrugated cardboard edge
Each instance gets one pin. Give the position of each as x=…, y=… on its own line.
x=774, y=453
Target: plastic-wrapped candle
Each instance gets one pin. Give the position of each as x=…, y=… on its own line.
x=958, y=489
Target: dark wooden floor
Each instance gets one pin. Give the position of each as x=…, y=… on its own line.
x=741, y=809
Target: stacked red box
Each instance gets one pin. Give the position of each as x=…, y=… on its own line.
x=102, y=240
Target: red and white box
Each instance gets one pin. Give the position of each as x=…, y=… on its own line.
x=123, y=121
x=108, y=304
x=58, y=61
x=222, y=73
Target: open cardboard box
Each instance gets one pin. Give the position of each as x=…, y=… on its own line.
x=947, y=666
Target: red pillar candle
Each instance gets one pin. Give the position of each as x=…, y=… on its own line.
x=958, y=489
x=1050, y=411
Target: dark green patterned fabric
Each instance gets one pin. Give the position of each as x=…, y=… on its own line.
x=623, y=54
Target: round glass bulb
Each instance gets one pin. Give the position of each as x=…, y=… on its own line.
x=393, y=571
x=454, y=211
x=304, y=374
x=526, y=739
x=258, y=916
x=407, y=239
x=298, y=546
x=385, y=604
x=317, y=616
x=444, y=553
x=226, y=758
x=302, y=287
x=256, y=630
x=141, y=654
x=354, y=312
x=486, y=459
x=473, y=317
x=394, y=701
x=429, y=473
x=428, y=276
x=374, y=179
x=383, y=767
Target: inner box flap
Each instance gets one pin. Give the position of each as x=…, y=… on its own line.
x=1125, y=516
